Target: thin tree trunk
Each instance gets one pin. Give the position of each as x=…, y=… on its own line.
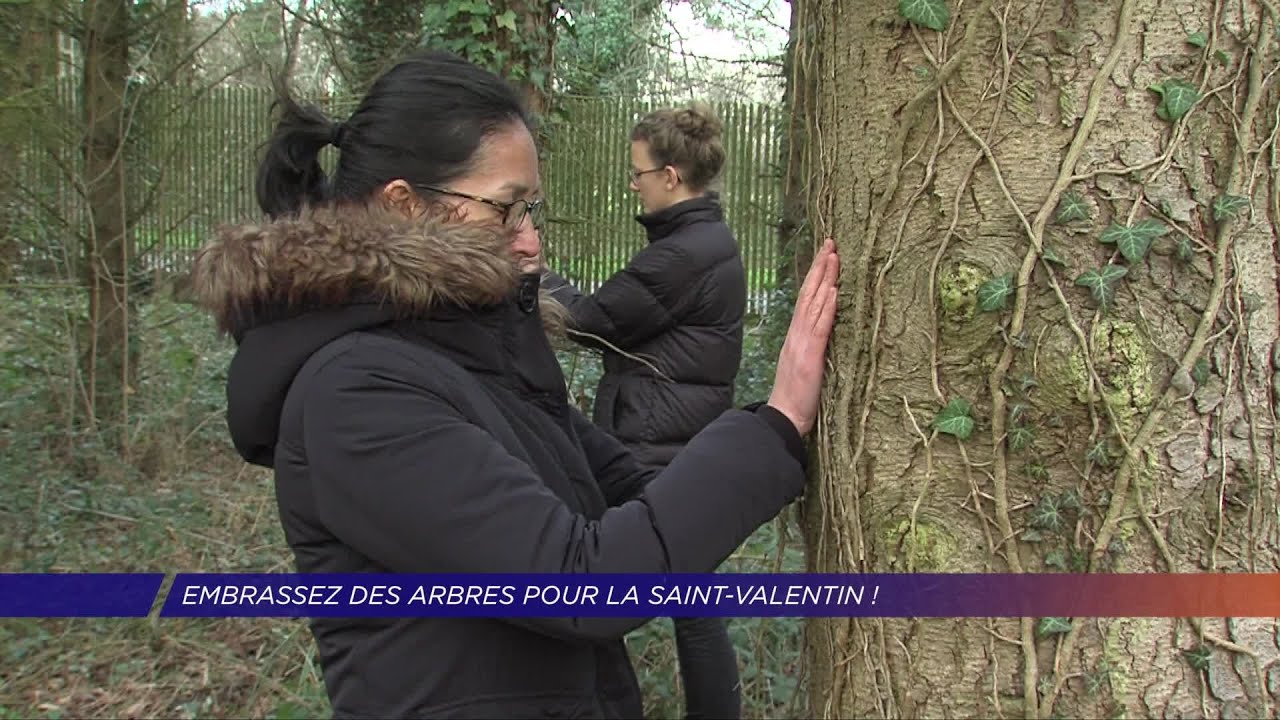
x=974, y=178
x=108, y=253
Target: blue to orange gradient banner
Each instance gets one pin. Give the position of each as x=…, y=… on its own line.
x=585, y=595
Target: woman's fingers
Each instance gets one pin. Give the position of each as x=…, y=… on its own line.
x=828, y=317
x=816, y=270
x=829, y=273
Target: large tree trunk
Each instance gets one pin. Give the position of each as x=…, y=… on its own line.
x=108, y=254
x=971, y=176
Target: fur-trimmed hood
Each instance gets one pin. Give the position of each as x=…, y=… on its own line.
x=285, y=288
x=253, y=274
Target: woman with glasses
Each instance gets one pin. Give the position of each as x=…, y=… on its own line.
x=670, y=327
x=393, y=368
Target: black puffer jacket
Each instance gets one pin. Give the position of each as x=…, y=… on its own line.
x=399, y=381
x=675, y=311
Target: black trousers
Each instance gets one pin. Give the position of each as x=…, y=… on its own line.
x=708, y=669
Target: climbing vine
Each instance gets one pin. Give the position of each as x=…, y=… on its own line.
x=1095, y=249
x=514, y=38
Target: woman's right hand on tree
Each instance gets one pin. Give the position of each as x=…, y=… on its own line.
x=798, y=381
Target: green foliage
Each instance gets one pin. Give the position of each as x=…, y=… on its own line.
x=1177, y=97
x=1071, y=500
x=604, y=46
x=1099, y=454
x=1051, y=255
x=1021, y=437
x=496, y=36
x=1198, y=657
x=1200, y=371
x=955, y=419
x=1185, y=251
x=1198, y=38
x=932, y=14
x=375, y=34
x=1229, y=206
x=1101, y=283
x=1072, y=208
x=1048, y=514
x=1095, y=682
x=1053, y=626
x=1036, y=471
x=994, y=294
x=1134, y=240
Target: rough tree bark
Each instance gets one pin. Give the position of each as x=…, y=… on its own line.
x=108, y=251
x=971, y=177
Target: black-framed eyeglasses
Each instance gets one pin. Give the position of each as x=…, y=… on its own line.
x=634, y=175
x=513, y=213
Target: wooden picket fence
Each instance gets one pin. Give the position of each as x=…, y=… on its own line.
x=191, y=161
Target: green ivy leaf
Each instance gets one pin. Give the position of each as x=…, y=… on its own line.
x=1200, y=371
x=1198, y=38
x=1071, y=500
x=1077, y=561
x=1056, y=559
x=955, y=419
x=1229, y=206
x=1099, y=454
x=1177, y=98
x=1017, y=411
x=1222, y=57
x=1135, y=240
x=1032, y=536
x=932, y=14
x=507, y=20
x=994, y=294
x=1047, y=514
x=1185, y=251
x=1101, y=283
x=478, y=26
x=1053, y=626
x=1021, y=437
x=1026, y=381
x=1072, y=207
x=1037, y=471
x=1051, y=255
x=1198, y=657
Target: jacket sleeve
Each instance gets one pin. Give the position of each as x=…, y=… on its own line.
x=403, y=478
x=631, y=306
x=616, y=470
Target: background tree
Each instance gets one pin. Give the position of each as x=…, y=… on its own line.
x=108, y=243
x=605, y=47
x=376, y=34
x=1057, y=346
x=515, y=38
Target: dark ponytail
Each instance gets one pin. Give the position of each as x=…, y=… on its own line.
x=290, y=176
x=421, y=121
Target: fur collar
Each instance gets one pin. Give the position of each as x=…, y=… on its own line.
x=328, y=258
